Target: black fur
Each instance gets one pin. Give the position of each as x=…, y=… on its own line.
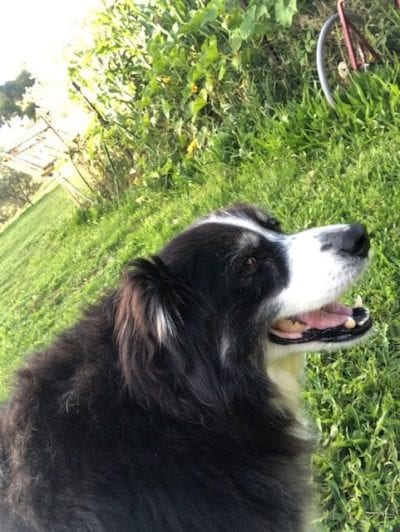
x=135, y=420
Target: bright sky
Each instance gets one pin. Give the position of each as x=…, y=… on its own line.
x=36, y=35
x=33, y=33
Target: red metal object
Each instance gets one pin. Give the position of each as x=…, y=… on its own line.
x=346, y=34
x=358, y=59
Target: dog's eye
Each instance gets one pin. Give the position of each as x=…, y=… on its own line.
x=250, y=265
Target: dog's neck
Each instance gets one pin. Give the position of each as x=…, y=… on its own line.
x=286, y=372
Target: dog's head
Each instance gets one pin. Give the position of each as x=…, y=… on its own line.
x=230, y=291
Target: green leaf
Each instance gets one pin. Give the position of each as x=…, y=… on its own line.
x=204, y=15
x=248, y=22
x=167, y=167
x=284, y=12
x=236, y=62
x=222, y=70
x=236, y=40
x=210, y=51
x=200, y=102
x=166, y=107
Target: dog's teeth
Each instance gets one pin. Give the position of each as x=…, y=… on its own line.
x=350, y=323
x=298, y=326
x=358, y=302
x=284, y=325
x=287, y=325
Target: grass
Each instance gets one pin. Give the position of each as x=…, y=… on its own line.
x=311, y=165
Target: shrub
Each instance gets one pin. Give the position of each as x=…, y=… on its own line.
x=162, y=77
x=169, y=78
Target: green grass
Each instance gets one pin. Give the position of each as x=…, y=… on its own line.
x=311, y=165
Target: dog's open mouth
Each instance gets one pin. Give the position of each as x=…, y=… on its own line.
x=332, y=323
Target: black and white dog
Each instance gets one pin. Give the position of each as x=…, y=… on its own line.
x=173, y=405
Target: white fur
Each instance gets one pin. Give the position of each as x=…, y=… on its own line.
x=249, y=239
x=164, y=325
x=242, y=223
x=287, y=374
x=316, y=277
x=224, y=346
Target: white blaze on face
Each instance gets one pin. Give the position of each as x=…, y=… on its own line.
x=316, y=276
x=242, y=223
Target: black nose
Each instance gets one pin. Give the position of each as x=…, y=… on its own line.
x=355, y=241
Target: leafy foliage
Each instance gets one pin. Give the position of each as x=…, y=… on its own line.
x=165, y=79
x=166, y=74
x=16, y=190
x=11, y=98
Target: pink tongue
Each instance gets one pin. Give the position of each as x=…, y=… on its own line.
x=338, y=308
x=331, y=316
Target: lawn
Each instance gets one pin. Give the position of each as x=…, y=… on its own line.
x=310, y=166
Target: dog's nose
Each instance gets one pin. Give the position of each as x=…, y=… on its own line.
x=355, y=241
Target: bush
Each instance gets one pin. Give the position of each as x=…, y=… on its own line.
x=170, y=78
x=163, y=77
x=16, y=191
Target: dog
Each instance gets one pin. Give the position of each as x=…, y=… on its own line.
x=174, y=404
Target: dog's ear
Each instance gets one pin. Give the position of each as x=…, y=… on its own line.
x=163, y=335
x=146, y=305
